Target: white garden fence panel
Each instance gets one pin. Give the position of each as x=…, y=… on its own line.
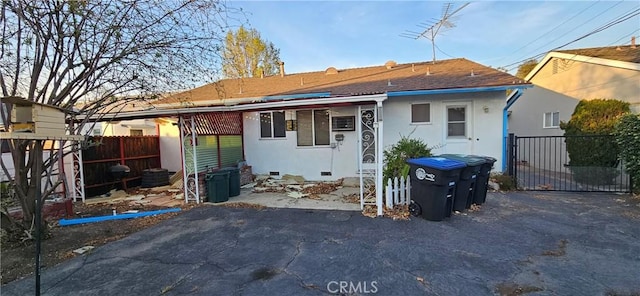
x=397, y=192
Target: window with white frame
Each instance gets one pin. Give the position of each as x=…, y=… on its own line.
x=456, y=121
x=420, y=113
x=272, y=124
x=313, y=127
x=551, y=119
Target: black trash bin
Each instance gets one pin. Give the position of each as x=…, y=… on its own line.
x=482, y=182
x=217, y=186
x=467, y=182
x=433, y=186
x=234, y=180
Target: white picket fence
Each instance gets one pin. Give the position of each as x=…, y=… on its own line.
x=397, y=192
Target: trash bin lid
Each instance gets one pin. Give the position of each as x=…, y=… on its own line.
x=440, y=163
x=218, y=173
x=469, y=160
x=487, y=159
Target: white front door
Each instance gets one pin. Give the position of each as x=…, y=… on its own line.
x=458, y=137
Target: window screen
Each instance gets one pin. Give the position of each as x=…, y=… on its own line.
x=265, y=125
x=321, y=127
x=279, y=125
x=272, y=124
x=552, y=119
x=456, y=124
x=313, y=127
x=305, y=128
x=420, y=113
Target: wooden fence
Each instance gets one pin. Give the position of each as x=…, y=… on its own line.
x=136, y=152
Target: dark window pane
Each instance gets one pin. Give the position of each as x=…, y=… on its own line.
x=456, y=124
x=278, y=125
x=456, y=129
x=456, y=114
x=420, y=113
x=305, y=128
x=265, y=125
x=321, y=125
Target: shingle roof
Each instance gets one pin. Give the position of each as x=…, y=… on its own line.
x=445, y=74
x=619, y=53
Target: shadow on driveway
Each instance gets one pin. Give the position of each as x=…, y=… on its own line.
x=549, y=243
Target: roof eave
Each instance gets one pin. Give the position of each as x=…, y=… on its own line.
x=581, y=58
x=458, y=90
x=237, y=108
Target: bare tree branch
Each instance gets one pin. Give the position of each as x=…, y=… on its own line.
x=95, y=56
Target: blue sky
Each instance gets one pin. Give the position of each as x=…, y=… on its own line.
x=314, y=35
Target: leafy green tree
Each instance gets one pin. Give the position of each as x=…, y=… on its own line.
x=627, y=133
x=102, y=53
x=593, y=155
x=525, y=68
x=246, y=54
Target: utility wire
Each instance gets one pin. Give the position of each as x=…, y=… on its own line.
x=556, y=27
x=612, y=23
x=440, y=50
x=623, y=37
x=590, y=58
x=578, y=26
x=607, y=26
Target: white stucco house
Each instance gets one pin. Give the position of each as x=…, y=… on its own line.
x=335, y=123
x=563, y=78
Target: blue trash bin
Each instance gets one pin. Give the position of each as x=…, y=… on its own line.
x=433, y=186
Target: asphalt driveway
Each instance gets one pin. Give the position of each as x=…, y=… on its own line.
x=541, y=243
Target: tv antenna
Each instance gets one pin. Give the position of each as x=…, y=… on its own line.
x=432, y=28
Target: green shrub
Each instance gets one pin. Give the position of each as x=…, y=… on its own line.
x=592, y=159
x=627, y=133
x=395, y=157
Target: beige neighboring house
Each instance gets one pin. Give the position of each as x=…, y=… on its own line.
x=563, y=78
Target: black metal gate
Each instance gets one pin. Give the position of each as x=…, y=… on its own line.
x=543, y=163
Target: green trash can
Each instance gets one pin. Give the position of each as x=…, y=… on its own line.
x=482, y=182
x=467, y=183
x=234, y=180
x=217, y=186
